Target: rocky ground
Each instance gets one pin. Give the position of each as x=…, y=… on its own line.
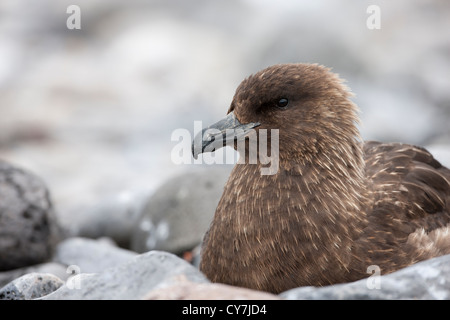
x=88, y=186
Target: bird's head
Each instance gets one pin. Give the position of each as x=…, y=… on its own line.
x=307, y=103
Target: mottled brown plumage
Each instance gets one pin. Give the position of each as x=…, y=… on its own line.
x=336, y=205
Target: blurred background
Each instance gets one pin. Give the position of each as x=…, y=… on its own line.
x=91, y=111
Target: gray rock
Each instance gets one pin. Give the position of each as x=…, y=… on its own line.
x=28, y=229
x=91, y=256
x=186, y=290
x=179, y=213
x=54, y=268
x=30, y=286
x=428, y=279
x=131, y=280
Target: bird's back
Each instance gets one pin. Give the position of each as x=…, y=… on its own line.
x=408, y=208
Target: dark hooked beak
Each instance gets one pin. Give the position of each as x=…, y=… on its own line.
x=219, y=134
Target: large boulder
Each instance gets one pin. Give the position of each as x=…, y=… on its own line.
x=178, y=214
x=133, y=279
x=30, y=286
x=28, y=229
x=57, y=269
x=428, y=279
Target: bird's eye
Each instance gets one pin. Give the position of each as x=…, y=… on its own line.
x=282, y=103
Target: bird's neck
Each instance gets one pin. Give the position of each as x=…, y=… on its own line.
x=330, y=190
